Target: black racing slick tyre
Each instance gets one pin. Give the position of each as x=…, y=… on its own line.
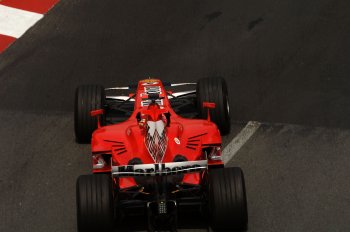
x=214, y=89
x=87, y=98
x=95, y=205
x=227, y=200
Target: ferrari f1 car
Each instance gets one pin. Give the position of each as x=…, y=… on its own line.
x=158, y=153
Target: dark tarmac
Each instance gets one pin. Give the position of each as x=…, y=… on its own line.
x=286, y=63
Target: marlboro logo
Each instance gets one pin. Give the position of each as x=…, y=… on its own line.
x=160, y=169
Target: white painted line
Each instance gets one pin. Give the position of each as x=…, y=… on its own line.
x=15, y=22
x=241, y=138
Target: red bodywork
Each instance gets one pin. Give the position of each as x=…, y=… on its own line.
x=126, y=141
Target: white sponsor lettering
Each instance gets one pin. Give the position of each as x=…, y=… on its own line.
x=158, y=169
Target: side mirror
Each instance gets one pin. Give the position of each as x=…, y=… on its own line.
x=97, y=113
x=209, y=105
x=94, y=113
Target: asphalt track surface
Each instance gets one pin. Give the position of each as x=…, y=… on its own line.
x=285, y=62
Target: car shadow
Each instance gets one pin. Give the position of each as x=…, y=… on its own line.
x=186, y=222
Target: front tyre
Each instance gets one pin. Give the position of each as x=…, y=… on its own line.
x=95, y=205
x=214, y=90
x=227, y=200
x=87, y=98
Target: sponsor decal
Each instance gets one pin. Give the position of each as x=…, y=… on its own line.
x=156, y=140
x=177, y=141
x=151, y=90
x=150, y=82
x=160, y=169
x=147, y=102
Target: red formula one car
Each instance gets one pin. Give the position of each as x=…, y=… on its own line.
x=157, y=152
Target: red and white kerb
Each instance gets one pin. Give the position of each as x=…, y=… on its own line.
x=17, y=16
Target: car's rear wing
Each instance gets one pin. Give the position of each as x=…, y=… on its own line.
x=160, y=169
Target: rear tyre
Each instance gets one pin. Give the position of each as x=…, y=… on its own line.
x=214, y=90
x=227, y=200
x=87, y=98
x=95, y=208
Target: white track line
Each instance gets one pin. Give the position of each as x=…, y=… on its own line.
x=241, y=138
x=15, y=22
